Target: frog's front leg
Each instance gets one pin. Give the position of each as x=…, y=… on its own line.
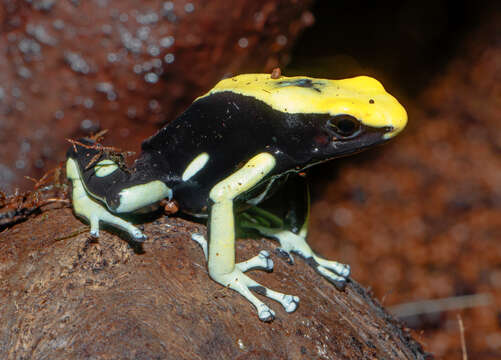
x=221, y=259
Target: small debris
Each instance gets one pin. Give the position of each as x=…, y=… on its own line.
x=276, y=73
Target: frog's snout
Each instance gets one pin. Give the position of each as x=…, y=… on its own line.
x=395, y=129
x=397, y=120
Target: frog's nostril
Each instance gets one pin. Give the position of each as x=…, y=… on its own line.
x=391, y=131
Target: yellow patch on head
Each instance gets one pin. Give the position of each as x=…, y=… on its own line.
x=362, y=97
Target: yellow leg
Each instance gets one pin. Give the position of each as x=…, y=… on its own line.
x=221, y=262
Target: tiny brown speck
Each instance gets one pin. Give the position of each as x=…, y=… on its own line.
x=276, y=73
x=371, y=101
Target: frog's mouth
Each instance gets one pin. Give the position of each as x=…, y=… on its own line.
x=340, y=147
x=365, y=138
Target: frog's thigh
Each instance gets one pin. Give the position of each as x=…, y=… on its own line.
x=92, y=210
x=221, y=262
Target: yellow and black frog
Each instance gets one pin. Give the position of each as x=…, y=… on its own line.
x=233, y=157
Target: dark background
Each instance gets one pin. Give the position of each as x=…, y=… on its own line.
x=419, y=219
x=407, y=43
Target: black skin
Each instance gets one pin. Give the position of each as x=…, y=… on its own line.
x=231, y=128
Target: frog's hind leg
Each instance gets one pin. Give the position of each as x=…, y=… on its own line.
x=221, y=247
x=92, y=210
x=335, y=272
x=291, y=236
x=101, y=188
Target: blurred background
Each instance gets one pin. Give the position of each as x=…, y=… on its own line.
x=419, y=219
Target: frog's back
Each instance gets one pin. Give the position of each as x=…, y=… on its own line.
x=289, y=118
x=209, y=141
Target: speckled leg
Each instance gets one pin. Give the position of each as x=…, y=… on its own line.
x=93, y=211
x=261, y=261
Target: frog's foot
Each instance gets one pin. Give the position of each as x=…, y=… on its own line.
x=335, y=272
x=339, y=281
x=243, y=284
x=200, y=239
x=262, y=261
x=94, y=212
x=285, y=255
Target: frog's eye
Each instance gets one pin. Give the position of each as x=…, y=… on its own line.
x=344, y=125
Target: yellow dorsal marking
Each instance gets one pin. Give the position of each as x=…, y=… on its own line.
x=195, y=166
x=362, y=97
x=105, y=167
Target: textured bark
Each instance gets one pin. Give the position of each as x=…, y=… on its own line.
x=63, y=296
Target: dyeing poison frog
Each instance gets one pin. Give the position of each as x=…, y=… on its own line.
x=234, y=157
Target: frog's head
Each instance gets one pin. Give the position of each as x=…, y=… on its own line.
x=323, y=119
x=312, y=120
x=357, y=103
x=353, y=114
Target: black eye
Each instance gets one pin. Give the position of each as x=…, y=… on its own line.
x=344, y=125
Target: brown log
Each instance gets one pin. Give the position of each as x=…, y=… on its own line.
x=65, y=296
